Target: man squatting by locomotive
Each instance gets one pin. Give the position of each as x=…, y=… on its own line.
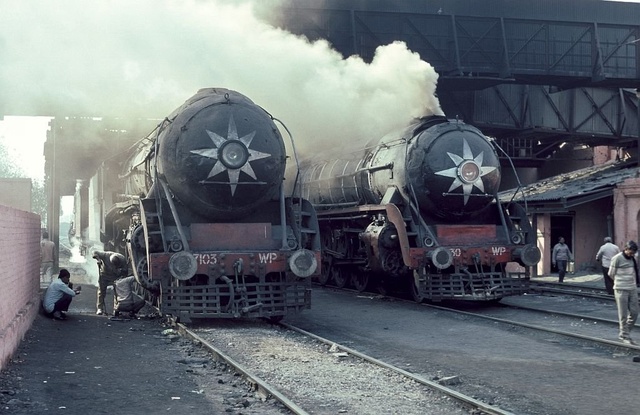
x=58, y=296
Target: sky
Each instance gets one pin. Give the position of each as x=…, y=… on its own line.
x=23, y=138
x=144, y=58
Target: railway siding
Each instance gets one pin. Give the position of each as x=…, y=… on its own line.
x=322, y=379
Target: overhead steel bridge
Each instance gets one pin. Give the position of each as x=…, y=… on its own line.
x=533, y=74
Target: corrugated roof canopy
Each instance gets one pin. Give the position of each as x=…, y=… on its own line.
x=561, y=192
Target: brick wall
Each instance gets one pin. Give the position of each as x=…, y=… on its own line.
x=626, y=208
x=19, y=277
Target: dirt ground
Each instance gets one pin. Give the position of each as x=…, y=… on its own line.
x=91, y=364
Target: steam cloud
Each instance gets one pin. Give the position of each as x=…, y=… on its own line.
x=144, y=58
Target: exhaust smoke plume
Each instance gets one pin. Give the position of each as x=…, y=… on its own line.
x=120, y=58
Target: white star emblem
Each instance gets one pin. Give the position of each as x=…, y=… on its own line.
x=467, y=160
x=219, y=166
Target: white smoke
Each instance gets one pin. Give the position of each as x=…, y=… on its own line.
x=83, y=267
x=76, y=255
x=144, y=58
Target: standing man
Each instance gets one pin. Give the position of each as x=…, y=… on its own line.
x=58, y=296
x=111, y=266
x=604, y=255
x=624, y=271
x=47, y=258
x=126, y=298
x=561, y=256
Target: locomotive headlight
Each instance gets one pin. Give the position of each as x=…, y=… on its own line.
x=303, y=263
x=441, y=257
x=528, y=254
x=182, y=265
x=469, y=171
x=233, y=154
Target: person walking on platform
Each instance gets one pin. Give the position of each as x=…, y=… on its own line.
x=111, y=266
x=126, y=298
x=603, y=256
x=47, y=258
x=58, y=296
x=624, y=271
x=561, y=255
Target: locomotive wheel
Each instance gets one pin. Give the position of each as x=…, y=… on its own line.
x=360, y=280
x=325, y=275
x=327, y=260
x=381, y=286
x=418, y=297
x=142, y=277
x=340, y=276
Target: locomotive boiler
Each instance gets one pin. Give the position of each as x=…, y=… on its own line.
x=200, y=210
x=418, y=210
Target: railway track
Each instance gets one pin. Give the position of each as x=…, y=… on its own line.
x=517, y=368
x=310, y=374
x=587, y=327
x=592, y=328
x=569, y=289
x=555, y=289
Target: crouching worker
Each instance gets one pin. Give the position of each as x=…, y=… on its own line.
x=126, y=299
x=58, y=296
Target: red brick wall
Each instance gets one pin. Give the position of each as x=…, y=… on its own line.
x=19, y=277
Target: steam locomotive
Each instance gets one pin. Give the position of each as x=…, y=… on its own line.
x=199, y=209
x=418, y=211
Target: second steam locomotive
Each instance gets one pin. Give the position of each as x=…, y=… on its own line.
x=418, y=209
x=199, y=208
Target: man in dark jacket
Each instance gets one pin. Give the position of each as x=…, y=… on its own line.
x=111, y=266
x=561, y=256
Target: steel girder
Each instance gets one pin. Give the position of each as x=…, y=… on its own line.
x=536, y=119
x=474, y=52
